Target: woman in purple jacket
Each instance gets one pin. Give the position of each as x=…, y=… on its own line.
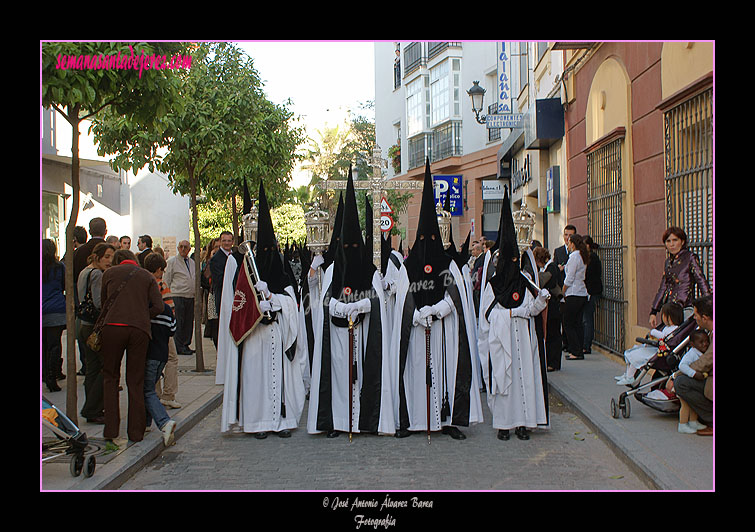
x=681, y=273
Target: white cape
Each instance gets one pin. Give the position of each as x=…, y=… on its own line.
x=340, y=370
x=414, y=378
x=264, y=365
x=226, y=344
x=511, y=363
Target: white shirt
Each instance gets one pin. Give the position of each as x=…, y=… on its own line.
x=575, y=275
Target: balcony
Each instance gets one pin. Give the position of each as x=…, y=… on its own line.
x=441, y=143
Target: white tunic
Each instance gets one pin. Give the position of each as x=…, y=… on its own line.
x=339, y=377
x=414, y=378
x=508, y=345
x=267, y=375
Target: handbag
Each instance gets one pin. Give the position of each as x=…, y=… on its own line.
x=94, y=340
x=86, y=310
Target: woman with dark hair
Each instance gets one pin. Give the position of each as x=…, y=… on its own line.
x=90, y=281
x=549, y=274
x=594, y=284
x=681, y=273
x=575, y=295
x=53, y=315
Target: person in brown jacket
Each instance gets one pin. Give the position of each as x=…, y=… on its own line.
x=697, y=391
x=127, y=327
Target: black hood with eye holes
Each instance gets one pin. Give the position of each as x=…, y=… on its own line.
x=427, y=263
x=508, y=283
x=352, y=266
x=267, y=255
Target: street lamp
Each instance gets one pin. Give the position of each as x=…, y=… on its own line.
x=477, y=94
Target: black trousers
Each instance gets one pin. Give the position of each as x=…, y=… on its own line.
x=94, y=403
x=572, y=319
x=184, y=310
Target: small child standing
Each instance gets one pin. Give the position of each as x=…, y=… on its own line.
x=163, y=327
x=672, y=315
x=700, y=341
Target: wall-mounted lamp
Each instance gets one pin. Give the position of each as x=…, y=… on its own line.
x=477, y=95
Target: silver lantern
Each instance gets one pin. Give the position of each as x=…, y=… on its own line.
x=524, y=225
x=444, y=224
x=317, y=223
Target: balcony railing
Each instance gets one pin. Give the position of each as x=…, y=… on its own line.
x=396, y=75
x=441, y=143
x=413, y=57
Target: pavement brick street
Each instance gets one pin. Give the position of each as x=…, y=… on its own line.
x=585, y=450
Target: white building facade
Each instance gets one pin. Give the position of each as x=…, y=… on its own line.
x=422, y=106
x=131, y=205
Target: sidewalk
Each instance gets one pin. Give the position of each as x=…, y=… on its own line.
x=648, y=440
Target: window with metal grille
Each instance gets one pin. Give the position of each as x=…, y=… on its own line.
x=604, y=224
x=688, y=132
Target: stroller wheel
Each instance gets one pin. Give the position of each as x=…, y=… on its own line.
x=89, y=465
x=625, y=409
x=614, y=409
x=77, y=464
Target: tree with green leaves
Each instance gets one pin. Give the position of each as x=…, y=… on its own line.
x=81, y=80
x=225, y=131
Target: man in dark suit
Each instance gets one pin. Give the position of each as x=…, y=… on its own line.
x=560, y=257
x=145, y=248
x=97, y=232
x=217, y=271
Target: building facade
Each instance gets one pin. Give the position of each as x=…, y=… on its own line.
x=639, y=124
x=614, y=138
x=130, y=204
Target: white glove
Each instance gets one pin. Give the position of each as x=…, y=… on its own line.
x=261, y=287
x=544, y=294
x=441, y=309
x=265, y=306
x=317, y=262
x=338, y=309
x=419, y=320
x=521, y=311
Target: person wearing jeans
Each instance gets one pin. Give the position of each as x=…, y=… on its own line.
x=163, y=328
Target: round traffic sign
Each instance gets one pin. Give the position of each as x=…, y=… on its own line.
x=386, y=223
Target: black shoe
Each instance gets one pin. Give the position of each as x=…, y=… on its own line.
x=503, y=434
x=260, y=435
x=522, y=433
x=333, y=434
x=52, y=386
x=455, y=433
x=403, y=433
x=285, y=433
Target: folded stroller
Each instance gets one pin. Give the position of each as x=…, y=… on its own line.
x=664, y=363
x=70, y=441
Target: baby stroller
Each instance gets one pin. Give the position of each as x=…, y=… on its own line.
x=664, y=363
x=70, y=441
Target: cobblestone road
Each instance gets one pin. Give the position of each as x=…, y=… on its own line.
x=567, y=457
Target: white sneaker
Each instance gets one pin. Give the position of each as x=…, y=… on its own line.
x=684, y=428
x=170, y=403
x=619, y=377
x=168, y=433
x=696, y=425
x=624, y=381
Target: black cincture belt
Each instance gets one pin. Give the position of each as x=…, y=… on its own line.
x=344, y=322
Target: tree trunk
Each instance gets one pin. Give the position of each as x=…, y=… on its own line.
x=237, y=236
x=197, y=286
x=71, y=385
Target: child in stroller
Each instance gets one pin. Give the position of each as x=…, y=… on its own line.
x=700, y=341
x=672, y=315
x=663, y=363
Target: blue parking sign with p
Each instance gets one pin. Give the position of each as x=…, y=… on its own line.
x=449, y=184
